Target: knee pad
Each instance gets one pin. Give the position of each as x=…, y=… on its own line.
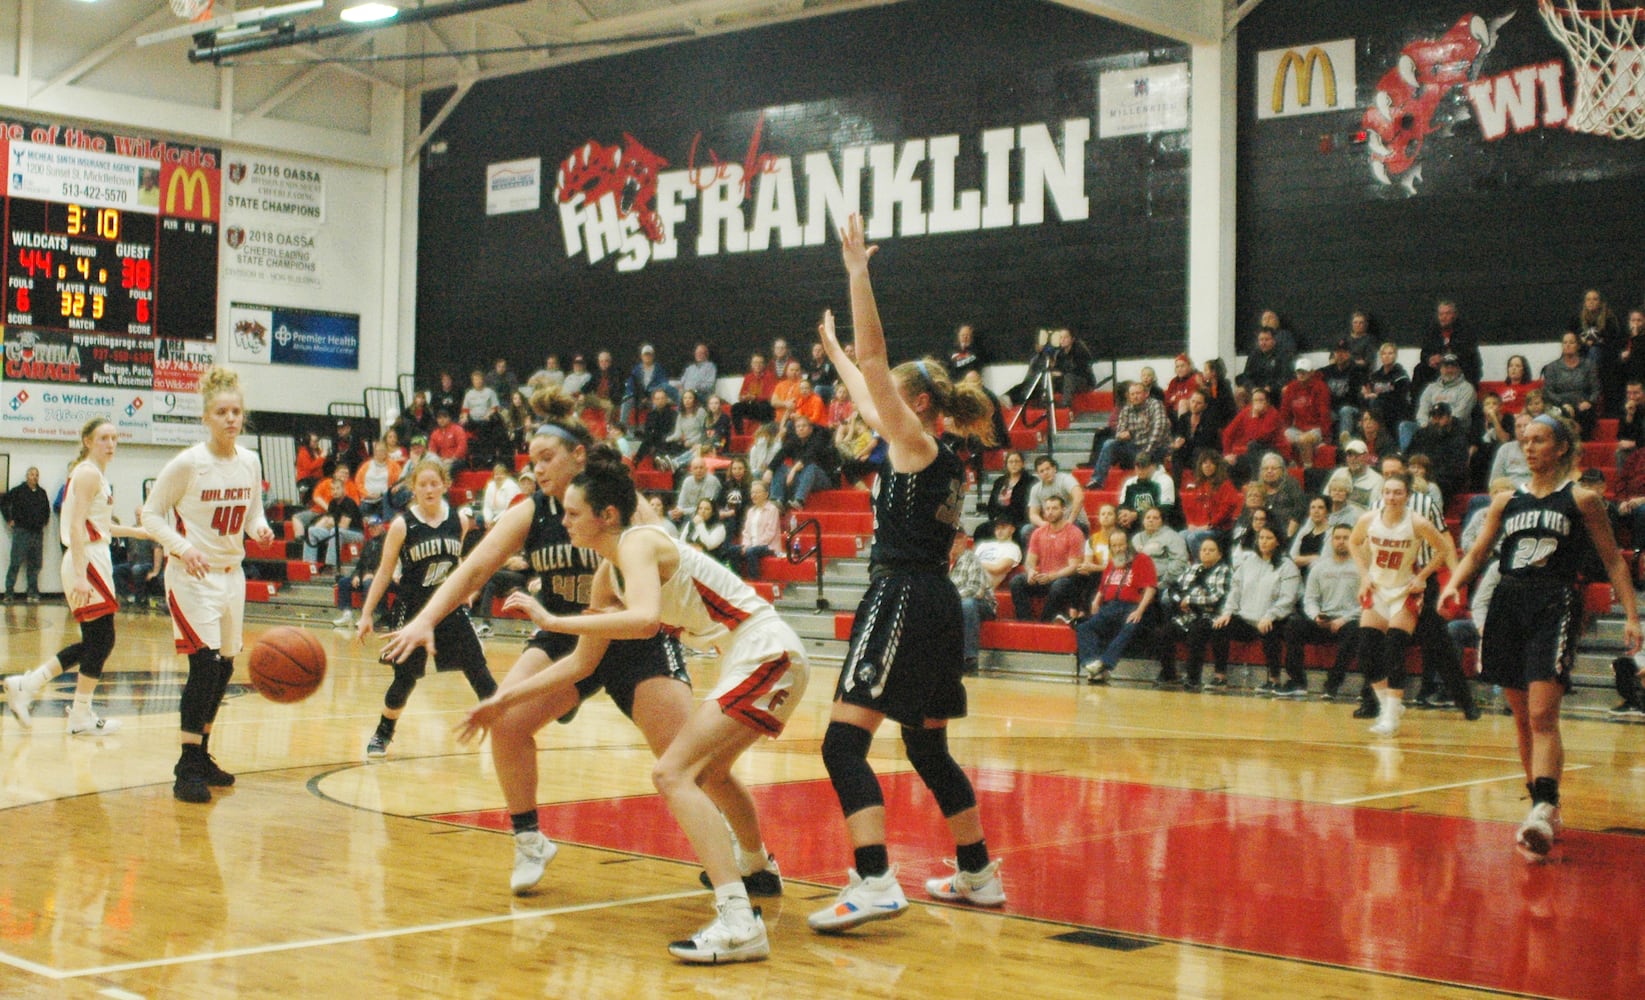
x=928, y=752
x=399, y=691
x=199, y=691
x=224, y=671
x=1398, y=643
x=69, y=657
x=845, y=755
x=96, y=643
x=1372, y=662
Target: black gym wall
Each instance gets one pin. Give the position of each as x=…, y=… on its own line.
x=1514, y=228
x=504, y=285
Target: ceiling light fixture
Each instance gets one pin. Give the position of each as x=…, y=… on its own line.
x=368, y=13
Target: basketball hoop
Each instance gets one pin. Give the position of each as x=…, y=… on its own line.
x=1607, y=53
x=192, y=10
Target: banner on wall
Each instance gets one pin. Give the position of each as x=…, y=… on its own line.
x=54, y=173
x=514, y=186
x=279, y=255
x=1306, y=79
x=274, y=190
x=175, y=406
x=1142, y=100
x=45, y=411
x=276, y=335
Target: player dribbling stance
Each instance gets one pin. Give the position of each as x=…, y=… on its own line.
x=1529, y=644
x=426, y=542
x=204, y=504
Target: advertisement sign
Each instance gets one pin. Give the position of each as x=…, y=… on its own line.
x=514, y=186
x=1306, y=79
x=283, y=336
x=60, y=174
x=48, y=412
x=279, y=255
x=274, y=190
x=1142, y=100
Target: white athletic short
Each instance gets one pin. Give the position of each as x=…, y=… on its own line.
x=763, y=673
x=100, y=574
x=207, y=613
x=1389, y=601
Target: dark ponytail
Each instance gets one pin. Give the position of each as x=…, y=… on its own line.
x=605, y=482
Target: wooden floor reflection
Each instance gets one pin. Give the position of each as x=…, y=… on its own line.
x=1155, y=844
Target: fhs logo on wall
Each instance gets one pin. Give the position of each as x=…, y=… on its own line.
x=620, y=200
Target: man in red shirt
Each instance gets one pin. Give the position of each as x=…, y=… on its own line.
x=1051, y=567
x=754, y=399
x=1305, y=406
x=448, y=441
x=1254, y=430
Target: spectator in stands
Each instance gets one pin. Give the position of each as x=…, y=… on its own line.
x=606, y=385
x=754, y=399
x=1121, y=603
x=780, y=356
x=1344, y=380
x=399, y=494
x=821, y=374
x=1184, y=380
x=784, y=393
x=1310, y=538
x=1516, y=383
x=358, y=582
x=500, y=493
x=1570, y=385
x=1008, y=499
x=1069, y=366
x=767, y=442
x=1194, y=430
x=501, y=379
x=418, y=418
x=1305, y=409
x=699, y=484
x=966, y=572
x=1536, y=404
x=1421, y=468
x=1141, y=425
x=967, y=355
x=1329, y=616
x=1630, y=417
x=645, y=379
x=577, y=379
x=1194, y=599
x=1161, y=543
x=1219, y=393
x=810, y=405
x=1254, y=431
x=448, y=442
x=1509, y=461
x=345, y=447
x=1633, y=350
x=1496, y=428
x=690, y=432
x=1340, y=507
x=734, y=490
x=339, y=521
x=840, y=408
x=855, y=442
x=448, y=396
x=549, y=375
x=701, y=375
x=1387, y=388
x=374, y=480
x=1449, y=388
x=1448, y=449
x=1374, y=435
x=717, y=426
x=528, y=485
x=1150, y=382
x=659, y=504
x=658, y=427
x=27, y=508
x=1052, y=481
x=396, y=451
x=1211, y=503
x=1362, y=346
x=140, y=578
x=481, y=417
x=1002, y=435
x=1602, y=341
x=1447, y=336
x=1147, y=488
x=1286, y=340
x=1051, y=568
x=1268, y=367
x=1253, y=517
x=1285, y=499
x=311, y=465
x=1365, y=483
x=806, y=462
x=704, y=532
x=1263, y=595
x=999, y=552
x=519, y=423
x=1095, y=559
x=761, y=535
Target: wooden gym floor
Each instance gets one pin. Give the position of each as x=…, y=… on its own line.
x=1155, y=844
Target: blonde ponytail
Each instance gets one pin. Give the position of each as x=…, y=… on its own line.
x=968, y=407
x=218, y=380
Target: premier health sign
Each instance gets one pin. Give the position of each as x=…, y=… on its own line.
x=274, y=335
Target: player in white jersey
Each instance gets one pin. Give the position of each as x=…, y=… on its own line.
x=86, y=525
x=663, y=584
x=204, y=504
x=1386, y=543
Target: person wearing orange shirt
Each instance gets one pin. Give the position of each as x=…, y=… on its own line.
x=810, y=405
x=786, y=389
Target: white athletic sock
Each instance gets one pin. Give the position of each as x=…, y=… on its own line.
x=36, y=679
x=82, y=703
x=749, y=862
x=733, y=900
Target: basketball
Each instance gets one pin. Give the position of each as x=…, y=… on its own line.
x=287, y=664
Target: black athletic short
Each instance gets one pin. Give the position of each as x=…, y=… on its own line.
x=907, y=655
x=1531, y=633
x=625, y=664
x=455, y=645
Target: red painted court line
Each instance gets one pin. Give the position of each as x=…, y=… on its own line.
x=1410, y=894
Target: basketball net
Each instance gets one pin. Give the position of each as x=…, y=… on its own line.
x=192, y=10
x=1605, y=51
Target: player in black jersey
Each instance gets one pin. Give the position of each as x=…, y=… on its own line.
x=1529, y=644
x=906, y=657
x=647, y=678
x=426, y=542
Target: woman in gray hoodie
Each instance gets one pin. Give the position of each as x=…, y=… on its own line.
x=1264, y=593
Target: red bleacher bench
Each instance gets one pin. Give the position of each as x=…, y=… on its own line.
x=653, y=479
x=261, y=591
x=1096, y=401
x=271, y=550
x=298, y=571
x=780, y=569
x=1605, y=429
x=847, y=500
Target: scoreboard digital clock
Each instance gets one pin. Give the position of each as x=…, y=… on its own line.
x=97, y=269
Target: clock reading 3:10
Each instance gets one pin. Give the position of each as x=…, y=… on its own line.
x=77, y=267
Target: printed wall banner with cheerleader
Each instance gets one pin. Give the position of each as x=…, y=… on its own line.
x=278, y=335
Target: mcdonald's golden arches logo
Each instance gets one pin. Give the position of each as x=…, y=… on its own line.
x=190, y=192
x=1286, y=79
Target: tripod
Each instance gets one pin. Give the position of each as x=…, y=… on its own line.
x=1042, y=383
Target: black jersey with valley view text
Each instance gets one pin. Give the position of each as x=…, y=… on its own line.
x=566, y=571
x=1544, y=539
x=915, y=513
x=427, y=556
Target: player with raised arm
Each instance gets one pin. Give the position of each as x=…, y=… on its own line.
x=906, y=657
x=85, y=527
x=663, y=583
x=204, y=504
x=1548, y=528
